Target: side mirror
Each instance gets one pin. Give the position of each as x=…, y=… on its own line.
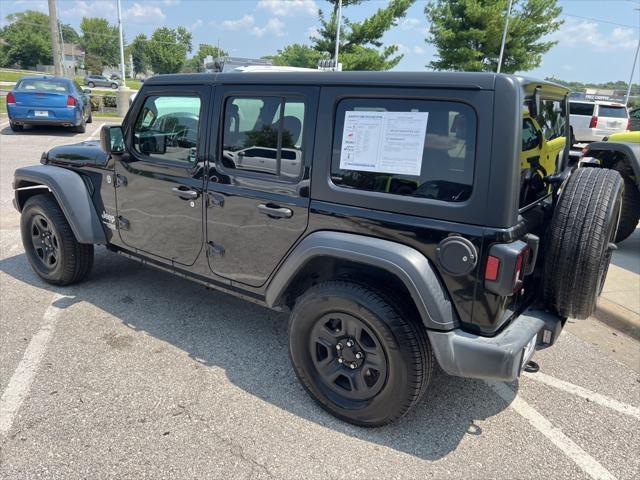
x=112, y=139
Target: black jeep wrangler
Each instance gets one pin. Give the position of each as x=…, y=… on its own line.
x=388, y=212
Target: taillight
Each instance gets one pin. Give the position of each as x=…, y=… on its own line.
x=594, y=122
x=11, y=100
x=506, y=266
x=71, y=102
x=629, y=124
x=492, y=268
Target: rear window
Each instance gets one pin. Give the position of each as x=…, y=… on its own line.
x=612, y=112
x=581, y=108
x=414, y=148
x=43, y=85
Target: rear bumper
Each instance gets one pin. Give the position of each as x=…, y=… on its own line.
x=56, y=116
x=498, y=358
x=594, y=134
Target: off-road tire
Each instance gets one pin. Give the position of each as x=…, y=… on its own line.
x=75, y=259
x=16, y=128
x=630, y=214
x=580, y=243
x=407, y=352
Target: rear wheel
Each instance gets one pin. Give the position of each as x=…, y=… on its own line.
x=16, y=128
x=81, y=128
x=356, y=355
x=91, y=84
x=50, y=245
x=581, y=241
x=114, y=85
x=90, y=118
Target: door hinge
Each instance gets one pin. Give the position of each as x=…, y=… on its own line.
x=214, y=200
x=123, y=223
x=215, y=249
x=120, y=181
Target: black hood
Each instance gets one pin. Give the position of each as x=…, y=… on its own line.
x=83, y=153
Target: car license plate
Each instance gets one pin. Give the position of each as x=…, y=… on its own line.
x=41, y=113
x=529, y=350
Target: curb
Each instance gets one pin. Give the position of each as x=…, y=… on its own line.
x=618, y=317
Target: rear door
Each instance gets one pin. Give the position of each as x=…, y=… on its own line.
x=258, y=183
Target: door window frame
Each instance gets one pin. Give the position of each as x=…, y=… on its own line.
x=253, y=94
x=204, y=92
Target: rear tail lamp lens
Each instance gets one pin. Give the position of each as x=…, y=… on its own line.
x=11, y=99
x=594, y=122
x=629, y=124
x=71, y=102
x=492, y=268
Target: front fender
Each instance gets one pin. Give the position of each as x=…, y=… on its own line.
x=631, y=152
x=406, y=263
x=71, y=193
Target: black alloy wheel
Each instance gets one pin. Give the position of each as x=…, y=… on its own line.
x=350, y=360
x=45, y=242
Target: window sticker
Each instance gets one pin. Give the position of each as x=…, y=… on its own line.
x=385, y=142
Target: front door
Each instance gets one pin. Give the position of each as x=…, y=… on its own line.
x=258, y=188
x=160, y=179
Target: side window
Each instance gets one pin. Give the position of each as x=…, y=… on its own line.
x=581, y=108
x=551, y=120
x=415, y=148
x=263, y=135
x=167, y=128
x=529, y=135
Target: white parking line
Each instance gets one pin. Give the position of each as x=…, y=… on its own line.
x=584, y=393
x=585, y=461
x=2, y=125
x=20, y=383
x=96, y=132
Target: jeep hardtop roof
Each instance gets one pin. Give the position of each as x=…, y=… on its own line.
x=459, y=80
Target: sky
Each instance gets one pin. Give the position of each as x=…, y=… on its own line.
x=596, y=43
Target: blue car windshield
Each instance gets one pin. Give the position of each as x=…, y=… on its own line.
x=42, y=85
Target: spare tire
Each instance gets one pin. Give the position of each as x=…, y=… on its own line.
x=580, y=241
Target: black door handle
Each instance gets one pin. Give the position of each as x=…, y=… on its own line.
x=184, y=192
x=274, y=211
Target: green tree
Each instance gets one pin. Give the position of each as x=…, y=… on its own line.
x=167, y=49
x=138, y=51
x=69, y=35
x=196, y=63
x=361, y=46
x=297, y=55
x=27, y=40
x=467, y=34
x=100, y=42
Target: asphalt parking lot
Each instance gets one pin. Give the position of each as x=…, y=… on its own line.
x=138, y=374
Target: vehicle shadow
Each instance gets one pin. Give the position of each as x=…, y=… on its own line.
x=212, y=328
x=42, y=130
x=627, y=256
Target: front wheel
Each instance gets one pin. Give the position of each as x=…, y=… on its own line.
x=50, y=245
x=91, y=84
x=356, y=354
x=114, y=85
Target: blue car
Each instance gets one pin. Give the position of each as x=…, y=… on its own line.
x=48, y=100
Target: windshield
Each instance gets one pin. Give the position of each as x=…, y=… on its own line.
x=47, y=85
x=612, y=112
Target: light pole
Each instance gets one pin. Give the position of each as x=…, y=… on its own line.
x=55, y=38
x=504, y=36
x=338, y=33
x=633, y=69
x=122, y=72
